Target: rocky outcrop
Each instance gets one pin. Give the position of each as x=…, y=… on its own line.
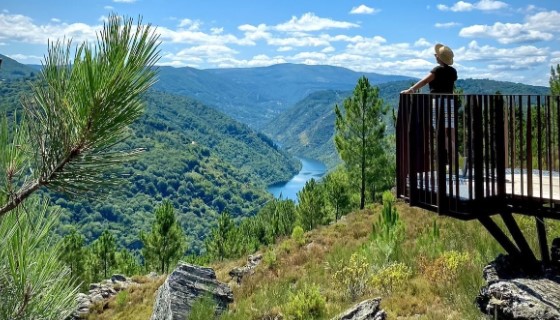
x=365, y=310
x=99, y=293
x=509, y=294
x=238, y=273
x=183, y=287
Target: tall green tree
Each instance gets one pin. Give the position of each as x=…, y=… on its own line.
x=336, y=192
x=555, y=80
x=219, y=241
x=310, y=208
x=104, y=249
x=360, y=134
x=165, y=244
x=72, y=253
x=79, y=108
x=127, y=262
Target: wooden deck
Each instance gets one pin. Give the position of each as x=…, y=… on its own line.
x=474, y=156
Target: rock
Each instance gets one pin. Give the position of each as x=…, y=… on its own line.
x=510, y=295
x=181, y=289
x=365, y=310
x=238, y=273
x=118, y=277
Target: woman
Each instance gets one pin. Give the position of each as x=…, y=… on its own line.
x=442, y=81
x=442, y=78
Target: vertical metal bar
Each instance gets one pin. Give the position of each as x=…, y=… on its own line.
x=529, y=153
x=500, y=143
x=512, y=142
x=442, y=155
x=539, y=146
x=549, y=139
x=449, y=147
x=470, y=146
x=543, y=244
x=494, y=142
x=521, y=145
x=455, y=135
x=478, y=140
x=487, y=144
x=412, y=163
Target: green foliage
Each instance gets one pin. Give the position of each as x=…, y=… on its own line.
x=128, y=263
x=204, y=308
x=165, y=244
x=121, y=299
x=270, y=260
x=72, y=254
x=353, y=275
x=388, y=231
x=360, y=138
x=337, y=192
x=34, y=283
x=391, y=277
x=104, y=249
x=555, y=80
x=218, y=243
x=298, y=235
x=311, y=209
x=306, y=304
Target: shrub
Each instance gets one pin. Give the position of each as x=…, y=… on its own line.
x=354, y=275
x=298, y=235
x=203, y=308
x=306, y=304
x=270, y=259
x=444, y=270
x=121, y=299
x=391, y=277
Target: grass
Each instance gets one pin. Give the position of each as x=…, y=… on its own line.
x=430, y=268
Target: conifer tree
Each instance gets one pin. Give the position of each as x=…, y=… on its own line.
x=336, y=190
x=360, y=135
x=165, y=244
x=219, y=241
x=310, y=207
x=104, y=249
x=79, y=108
x=555, y=80
x=72, y=253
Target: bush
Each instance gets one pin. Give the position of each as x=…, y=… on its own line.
x=298, y=235
x=391, y=277
x=270, y=259
x=203, y=308
x=354, y=275
x=306, y=304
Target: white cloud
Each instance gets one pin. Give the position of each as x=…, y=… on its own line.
x=363, y=9
x=284, y=49
x=24, y=58
x=217, y=30
x=422, y=42
x=505, y=33
x=124, y=1
x=22, y=28
x=310, y=22
x=482, y=5
x=446, y=24
x=544, y=21
x=110, y=8
x=192, y=25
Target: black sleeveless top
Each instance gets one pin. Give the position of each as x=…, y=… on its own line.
x=444, y=80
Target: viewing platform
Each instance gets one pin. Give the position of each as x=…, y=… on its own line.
x=472, y=156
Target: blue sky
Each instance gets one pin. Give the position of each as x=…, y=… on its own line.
x=502, y=40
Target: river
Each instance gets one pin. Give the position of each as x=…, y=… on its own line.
x=309, y=169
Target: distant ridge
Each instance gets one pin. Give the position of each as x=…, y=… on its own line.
x=11, y=69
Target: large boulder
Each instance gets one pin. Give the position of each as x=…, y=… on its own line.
x=99, y=293
x=183, y=287
x=365, y=310
x=518, y=296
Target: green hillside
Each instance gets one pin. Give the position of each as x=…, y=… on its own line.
x=11, y=69
x=200, y=159
x=257, y=95
x=307, y=129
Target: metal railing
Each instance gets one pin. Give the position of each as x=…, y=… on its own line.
x=469, y=155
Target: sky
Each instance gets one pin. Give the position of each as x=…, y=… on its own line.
x=511, y=40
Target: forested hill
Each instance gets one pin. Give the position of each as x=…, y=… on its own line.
x=256, y=95
x=11, y=69
x=200, y=159
x=307, y=128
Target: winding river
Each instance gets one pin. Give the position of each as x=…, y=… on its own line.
x=309, y=169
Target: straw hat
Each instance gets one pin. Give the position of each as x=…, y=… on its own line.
x=444, y=53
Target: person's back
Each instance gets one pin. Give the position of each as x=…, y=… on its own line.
x=444, y=79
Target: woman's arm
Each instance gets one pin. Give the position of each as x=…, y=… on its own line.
x=427, y=79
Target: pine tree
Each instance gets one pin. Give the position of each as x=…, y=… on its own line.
x=310, y=206
x=80, y=107
x=360, y=135
x=127, y=262
x=555, y=80
x=72, y=253
x=165, y=244
x=104, y=249
x=220, y=236
x=336, y=189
